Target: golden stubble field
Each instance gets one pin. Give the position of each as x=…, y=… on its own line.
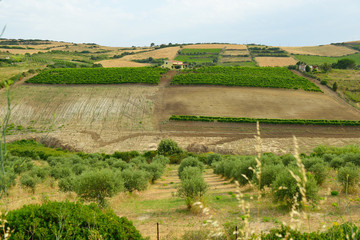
x=324, y=50
x=275, y=61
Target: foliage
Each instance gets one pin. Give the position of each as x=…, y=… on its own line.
x=265, y=120
x=190, y=162
x=67, y=220
x=99, y=76
x=344, y=64
x=273, y=77
x=168, y=147
x=319, y=171
x=335, y=86
x=318, y=60
x=29, y=182
x=135, y=180
x=349, y=175
x=267, y=52
x=96, y=186
x=192, y=187
x=196, y=56
x=213, y=158
x=285, y=188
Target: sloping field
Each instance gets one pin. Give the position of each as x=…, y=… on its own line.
x=82, y=108
x=275, y=61
x=229, y=46
x=253, y=103
x=121, y=63
x=325, y=50
x=317, y=60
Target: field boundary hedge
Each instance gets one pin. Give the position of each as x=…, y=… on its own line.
x=265, y=120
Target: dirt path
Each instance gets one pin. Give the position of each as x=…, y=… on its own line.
x=159, y=107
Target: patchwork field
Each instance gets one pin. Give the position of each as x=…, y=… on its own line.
x=325, y=50
x=275, y=61
x=317, y=60
x=229, y=46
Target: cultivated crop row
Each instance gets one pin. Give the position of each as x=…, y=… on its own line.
x=267, y=52
x=265, y=120
x=99, y=76
x=245, y=76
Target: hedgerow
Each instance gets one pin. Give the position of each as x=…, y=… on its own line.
x=265, y=120
x=149, y=75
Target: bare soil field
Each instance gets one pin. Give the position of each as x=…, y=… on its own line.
x=207, y=46
x=325, y=50
x=275, y=61
x=253, y=103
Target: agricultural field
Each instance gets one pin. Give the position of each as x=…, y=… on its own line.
x=216, y=45
x=348, y=82
x=99, y=76
x=325, y=50
x=199, y=55
x=234, y=57
x=242, y=76
x=317, y=60
x=275, y=61
x=260, y=51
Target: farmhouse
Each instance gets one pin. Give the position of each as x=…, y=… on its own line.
x=172, y=64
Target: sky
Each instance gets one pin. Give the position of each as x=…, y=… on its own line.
x=123, y=23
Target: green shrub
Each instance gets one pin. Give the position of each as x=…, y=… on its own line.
x=241, y=167
x=28, y=181
x=67, y=220
x=213, y=158
x=190, y=162
x=78, y=168
x=135, y=180
x=334, y=193
x=161, y=159
x=137, y=161
x=268, y=174
x=168, y=147
x=177, y=158
x=190, y=172
x=97, y=185
x=39, y=172
x=348, y=176
x=154, y=169
x=66, y=184
x=287, y=159
x=352, y=158
x=320, y=172
x=120, y=164
x=60, y=171
x=126, y=156
x=192, y=189
x=285, y=187
x=337, y=162
x=309, y=162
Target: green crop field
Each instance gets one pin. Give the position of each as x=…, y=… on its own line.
x=190, y=51
x=99, y=76
x=317, y=60
x=245, y=76
x=198, y=55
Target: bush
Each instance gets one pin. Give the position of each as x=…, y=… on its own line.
x=135, y=180
x=285, y=188
x=168, y=147
x=161, y=159
x=287, y=159
x=66, y=184
x=67, y=220
x=154, y=169
x=126, y=156
x=96, y=186
x=190, y=162
x=268, y=174
x=241, y=168
x=352, y=158
x=39, y=172
x=192, y=189
x=348, y=176
x=29, y=182
x=337, y=162
x=319, y=171
x=190, y=172
x=213, y=158
x=60, y=171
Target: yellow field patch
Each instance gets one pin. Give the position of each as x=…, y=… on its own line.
x=275, y=61
x=169, y=52
x=121, y=63
x=325, y=50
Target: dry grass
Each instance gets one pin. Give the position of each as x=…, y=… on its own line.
x=169, y=52
x=121, y=63
x=275, y=61
x=208, y=46
x=325, y=50
x=236, y=52
x=235, y=59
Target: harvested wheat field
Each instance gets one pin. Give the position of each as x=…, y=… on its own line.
x=275, y=61
x=325, y=50
x=235, y=52
x=169, y=52
x=209, y=46
x=121, y=63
